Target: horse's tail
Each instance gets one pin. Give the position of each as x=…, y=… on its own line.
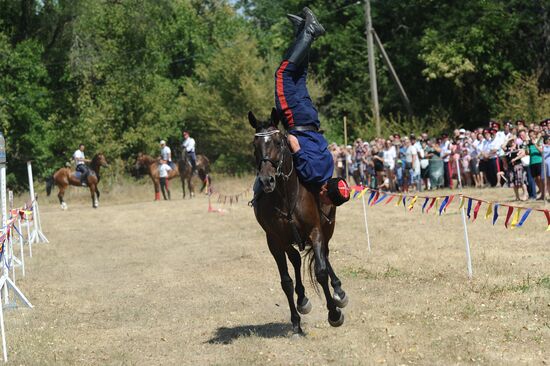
x=309, y=258
x=49, y=185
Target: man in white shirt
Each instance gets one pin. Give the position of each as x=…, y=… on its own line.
x=411, y=157
x=189, y=145
x=445, y=147
x=80, y=161
x=166, y=154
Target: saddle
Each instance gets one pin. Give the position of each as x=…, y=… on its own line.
x=78, y=175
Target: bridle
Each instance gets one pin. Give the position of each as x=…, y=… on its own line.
x=278, y=165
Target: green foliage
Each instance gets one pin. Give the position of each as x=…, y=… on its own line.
x=118, y=75
x=522, y=99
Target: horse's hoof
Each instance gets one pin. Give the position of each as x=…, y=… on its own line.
x=306, y=308
x=341, y=303
x=297, y=333
x=340, y=321
x=64, y=206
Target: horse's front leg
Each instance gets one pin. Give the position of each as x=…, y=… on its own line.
x=95, y=202
x=190, y=186
x=335, y=315
x=286, y=282
x=304, y=305
x=183, y=185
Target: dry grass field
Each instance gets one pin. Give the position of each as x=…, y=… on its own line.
x=138, y=282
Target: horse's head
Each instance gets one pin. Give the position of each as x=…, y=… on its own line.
x=101, y=160
x=269, y=149
x=141, y=161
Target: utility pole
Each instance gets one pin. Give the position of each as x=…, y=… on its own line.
x=346, y=145
x=372, y=69
x=393, y=74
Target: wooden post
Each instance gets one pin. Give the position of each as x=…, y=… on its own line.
x=372, y=69
x=346, y=144
x=393, y=74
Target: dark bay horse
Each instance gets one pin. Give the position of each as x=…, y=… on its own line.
x=186, y=170
x=284, y=202
x=64, y=177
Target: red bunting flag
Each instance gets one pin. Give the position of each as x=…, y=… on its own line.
x=476, y=210
x=508, y=215
x=451, y=197
x=547, y=214
x=391, y=198
x=431, y=204
x=375, y=198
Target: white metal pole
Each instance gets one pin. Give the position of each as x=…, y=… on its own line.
x=28, y=226
x=33, y=203
x=5, y=245
x=4, y=346
x=20, y=233
x=366, y=222
x=466, y=238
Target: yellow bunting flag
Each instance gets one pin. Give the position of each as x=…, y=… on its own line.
x=515, y=220
x=362, y=193
x=489, y=210
x=461, y=203
x=398, y=200
x=436, y=203
x=413, y=201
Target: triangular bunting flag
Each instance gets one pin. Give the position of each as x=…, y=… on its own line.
x=443, y=205
x=451, y=198
x=461, y=203
x=515, y=220
x=547, y=214
x=489, y=210
x=372, y=194
x=469, y=207
x=381, y=199
x=425, y=204
x=476, y=210
x=431, y=204
x=524, y=217
x=508, y=215
x=362, y=193
x=375, y=198
x=390, y=199
x=398, y=201
x=413, y=201
x=495, y=213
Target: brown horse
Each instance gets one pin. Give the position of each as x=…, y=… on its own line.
x=182, y=169
x=151, y=165
x=186, y=170
x=65, y=177
x=290, y=212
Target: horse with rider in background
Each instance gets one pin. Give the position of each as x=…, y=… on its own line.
x=65, y=177
x=182, y=169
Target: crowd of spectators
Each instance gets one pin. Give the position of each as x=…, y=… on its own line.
x=504, y=154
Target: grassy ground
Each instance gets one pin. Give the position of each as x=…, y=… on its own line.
x=139, y=282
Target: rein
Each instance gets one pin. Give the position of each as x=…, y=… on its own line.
x=279, y=164
x=291, y=204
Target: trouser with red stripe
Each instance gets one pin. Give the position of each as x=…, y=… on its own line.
x=292, y=98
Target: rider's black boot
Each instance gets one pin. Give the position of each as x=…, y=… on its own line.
x=297, y=23
x=312, y=30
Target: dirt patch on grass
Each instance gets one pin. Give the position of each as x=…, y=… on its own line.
x=139, y=282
